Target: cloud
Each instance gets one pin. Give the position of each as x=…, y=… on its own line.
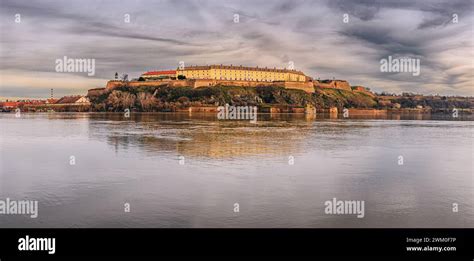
x=311, y=34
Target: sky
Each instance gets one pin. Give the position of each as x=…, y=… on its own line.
x=313, y=35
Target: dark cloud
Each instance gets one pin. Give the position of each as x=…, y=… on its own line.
x=384, y=40
x=435, y=22
x=101, y=29
x=287, y=6
x=364, y=10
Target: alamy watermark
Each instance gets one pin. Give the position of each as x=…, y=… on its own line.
x=345, y=207
x=19, y=207
x=236, y=18
x=28, y=243
x=402, y=64
x=70, y=65
x=230, y=112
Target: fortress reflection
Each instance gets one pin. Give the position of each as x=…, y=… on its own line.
x=203, y=135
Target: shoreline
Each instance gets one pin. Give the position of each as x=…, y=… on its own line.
x=262, y=110
x=354, y=114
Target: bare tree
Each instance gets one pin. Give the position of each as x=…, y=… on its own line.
x=119, y=100
x=147, y=101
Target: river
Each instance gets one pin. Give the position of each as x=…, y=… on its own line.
x=181, y=170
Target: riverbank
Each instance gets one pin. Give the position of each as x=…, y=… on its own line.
x=209, y=114
x=268, y=99
x=266, y=109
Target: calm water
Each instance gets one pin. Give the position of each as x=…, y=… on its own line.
x=137, y=160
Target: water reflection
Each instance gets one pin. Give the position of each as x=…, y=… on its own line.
x=202, y=135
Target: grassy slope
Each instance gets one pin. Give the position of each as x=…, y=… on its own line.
x=236, y=95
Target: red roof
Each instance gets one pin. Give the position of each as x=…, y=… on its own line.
x=160, y=72
x=68, y=99
x=35, y=102
x=10, y=104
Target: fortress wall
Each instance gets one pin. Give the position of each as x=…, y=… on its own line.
x=196, y=83
x=180, y=83
x=356, y=112
x=342, y=85
x=336, y=84
x=115, y=84
x=200, y=83
x=305, y=86
x=203, y=83
x=363, y=89
x=96, y=92
x=358, y=88
x=322, y=85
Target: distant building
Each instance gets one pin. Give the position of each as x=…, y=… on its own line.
x=34, y=102
x=73, y=100
x=241, y=73
x=10, y=105
x=51, y=101
x=233, y=73
x=158, y=75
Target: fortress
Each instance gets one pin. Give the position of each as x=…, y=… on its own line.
x=233, y=73
x=230, y=75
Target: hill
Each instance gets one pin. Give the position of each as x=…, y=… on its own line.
x=166, y=98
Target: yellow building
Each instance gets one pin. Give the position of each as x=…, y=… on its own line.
x=241, y=73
